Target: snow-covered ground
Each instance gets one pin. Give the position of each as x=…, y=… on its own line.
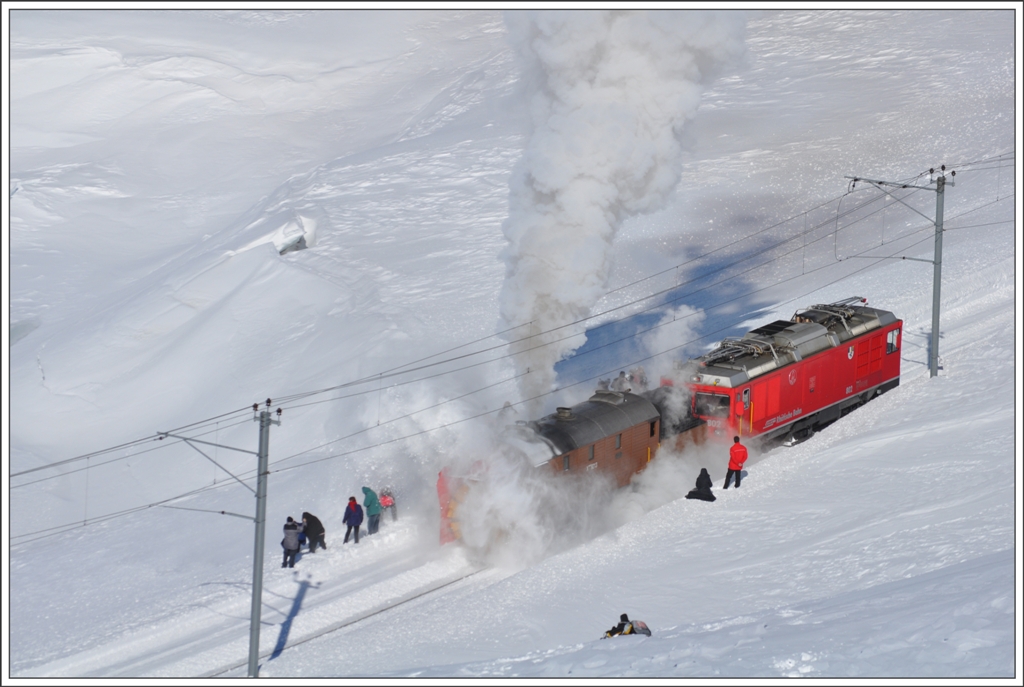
x=160, y=160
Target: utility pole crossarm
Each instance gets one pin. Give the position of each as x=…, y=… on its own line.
x=894, y=184
x=207, y=510
x=888, y=257
x=878, y=185
x=208, y=443
x=233, y=475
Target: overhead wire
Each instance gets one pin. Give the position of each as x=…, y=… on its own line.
x=612, y=343
x=973, y=226
x=404, y=417
x=53, y=531
x=117, y=459
x=66, y=527
x=583, y=381
x=376, y=377
x=376, y=445
x=151, y=438
x=504, y=345
x=400, y=368
x=656, y=306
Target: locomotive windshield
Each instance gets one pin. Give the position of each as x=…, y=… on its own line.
x=713, y=405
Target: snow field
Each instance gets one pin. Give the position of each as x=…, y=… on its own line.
x=155, y=159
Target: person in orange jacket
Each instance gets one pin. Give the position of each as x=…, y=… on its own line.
x=737, y=457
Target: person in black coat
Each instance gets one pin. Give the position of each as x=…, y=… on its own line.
x=702, y=490
x=314, y=530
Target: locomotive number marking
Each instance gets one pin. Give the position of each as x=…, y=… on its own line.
x=849, y=389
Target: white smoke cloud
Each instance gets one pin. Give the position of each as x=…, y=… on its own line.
x=510, y=512
x=676, y=328
x=514, y=514
x=612, y=91
x=669, y=477
x=517, y=514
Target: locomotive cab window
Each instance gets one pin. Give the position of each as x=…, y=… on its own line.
x=618, y=441
x=742, y=401
x=714, y=405
x=892, y=344
x=565, y=463
x=591, y=456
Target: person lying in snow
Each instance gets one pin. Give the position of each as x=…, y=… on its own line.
x=628, y=627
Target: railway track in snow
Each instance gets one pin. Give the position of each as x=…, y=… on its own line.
x=390, y=605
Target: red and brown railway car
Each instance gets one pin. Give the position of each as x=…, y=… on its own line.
x=787, y=379
x=614, y=432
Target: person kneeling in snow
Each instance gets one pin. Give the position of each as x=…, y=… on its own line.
x=703, y=488
x=628, y=627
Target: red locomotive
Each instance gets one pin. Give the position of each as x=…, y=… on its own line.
x=790, y=378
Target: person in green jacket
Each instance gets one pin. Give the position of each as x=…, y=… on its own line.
x=373, y=510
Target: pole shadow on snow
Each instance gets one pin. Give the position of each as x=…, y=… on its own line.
x=925, y=335
x=286, y=626
x=924, y=347
x=247, y=586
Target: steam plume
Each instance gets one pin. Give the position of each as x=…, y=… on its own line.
x=611, y=93
x=674, y=334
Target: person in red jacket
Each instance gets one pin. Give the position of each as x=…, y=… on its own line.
x=737, y=457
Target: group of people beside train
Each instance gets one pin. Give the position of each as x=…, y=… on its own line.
x=311, y=531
